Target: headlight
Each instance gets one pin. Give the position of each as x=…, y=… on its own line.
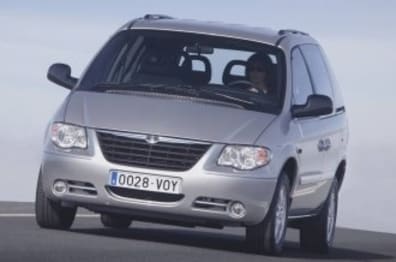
x=244, y=157
x=68, y=136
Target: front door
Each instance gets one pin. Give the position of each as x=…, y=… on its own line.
x=310, y=144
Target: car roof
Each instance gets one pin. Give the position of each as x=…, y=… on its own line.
x=238, y=31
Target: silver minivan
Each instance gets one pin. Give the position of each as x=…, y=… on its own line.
x=199, y=124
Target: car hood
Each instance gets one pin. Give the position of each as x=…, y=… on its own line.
x=166, y=116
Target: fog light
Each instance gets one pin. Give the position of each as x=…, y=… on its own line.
x=237, y=210
x=59, y=187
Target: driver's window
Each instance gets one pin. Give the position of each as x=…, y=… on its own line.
x=301, y=81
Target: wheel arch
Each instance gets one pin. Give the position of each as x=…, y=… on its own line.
x=290, y=167
x=340, y=172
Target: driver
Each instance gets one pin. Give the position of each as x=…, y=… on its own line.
x=258, y=68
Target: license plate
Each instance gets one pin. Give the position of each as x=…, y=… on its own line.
x=154, y=183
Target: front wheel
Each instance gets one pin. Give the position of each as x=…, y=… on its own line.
x=50, y=214
x=317, y=233
x=269, y=236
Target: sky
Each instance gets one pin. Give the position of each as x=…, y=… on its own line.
x=359, y=38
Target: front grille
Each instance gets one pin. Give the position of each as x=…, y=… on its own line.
x=144, y=195
x=134, y=150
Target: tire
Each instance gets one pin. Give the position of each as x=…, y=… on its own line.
x=50, y=214
x=269, y=236
x=115, y=221
x=317, y=233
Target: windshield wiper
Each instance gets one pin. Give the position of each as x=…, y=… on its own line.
x=178, y=89
x=104, y=87
x=243, y=98
x=146, y=87
x=223, y=96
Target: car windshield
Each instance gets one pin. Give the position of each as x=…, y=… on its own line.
x=245, y=74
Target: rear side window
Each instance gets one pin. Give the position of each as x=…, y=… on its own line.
x=302, y=87
x=317, y=67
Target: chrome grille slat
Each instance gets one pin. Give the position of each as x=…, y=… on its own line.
x=128, y=141
x=168, y=166
x=118, y=147
x=167, y=154
x=82, y=188
x=120, y=155
x=208, y=203
x=213, y=204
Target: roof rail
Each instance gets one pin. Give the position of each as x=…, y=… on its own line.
x=147, y=17
x=291, y=31
x=156, y=17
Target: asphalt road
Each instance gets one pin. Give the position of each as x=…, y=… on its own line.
x=22, y=240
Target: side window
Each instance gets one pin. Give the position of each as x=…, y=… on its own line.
x=302, y=87
x=318, y=69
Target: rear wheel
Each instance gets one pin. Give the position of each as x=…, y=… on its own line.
x=269, y=236
x=317, y=233
x=115, y=221
x=50, y=214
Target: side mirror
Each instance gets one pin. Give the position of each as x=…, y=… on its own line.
x=316, y=105
x=61, y=74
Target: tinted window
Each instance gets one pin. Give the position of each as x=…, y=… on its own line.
x=318, y=70
x=302, y=87
x=337, y=99
x=192, y=65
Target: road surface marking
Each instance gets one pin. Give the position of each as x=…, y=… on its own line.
x=33, y=215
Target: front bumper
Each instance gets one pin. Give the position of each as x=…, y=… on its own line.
x=255, y=192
